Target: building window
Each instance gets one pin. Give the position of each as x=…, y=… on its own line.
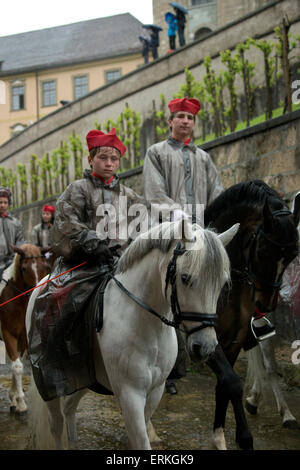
x=80, y=86
x=18, y=97
x=49, y=93
x=201, y=2
x=112, y=75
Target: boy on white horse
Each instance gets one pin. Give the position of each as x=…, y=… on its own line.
x=59, y=343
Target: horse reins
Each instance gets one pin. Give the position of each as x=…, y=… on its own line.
x=207, y=320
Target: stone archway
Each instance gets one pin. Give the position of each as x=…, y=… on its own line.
x=201, y=32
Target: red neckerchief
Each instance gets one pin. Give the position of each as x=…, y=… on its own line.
x=187, y=141
x=102, y=179
x=3, y=215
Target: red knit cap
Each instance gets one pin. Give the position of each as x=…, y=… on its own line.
x=48, y=208
x=97, y=138
x=190, y=105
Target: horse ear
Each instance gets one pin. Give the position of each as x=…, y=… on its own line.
x=227, y=236
x=296, y=209
x=18, y=250
x=46, y=249
x=268, y=218
x=185, y=228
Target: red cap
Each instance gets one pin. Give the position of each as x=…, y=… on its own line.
x=190, y=105
x=97, y=138
x=48, y=208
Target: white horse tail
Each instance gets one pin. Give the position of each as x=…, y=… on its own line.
x=256, y=379
x=42, y=434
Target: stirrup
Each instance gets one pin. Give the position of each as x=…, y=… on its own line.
x=263, y=332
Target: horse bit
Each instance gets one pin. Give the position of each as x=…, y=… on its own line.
x=206, y=319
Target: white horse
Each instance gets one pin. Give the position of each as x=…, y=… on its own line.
x=135, y=349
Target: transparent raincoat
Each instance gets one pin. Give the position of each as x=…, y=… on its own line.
x=60, y=338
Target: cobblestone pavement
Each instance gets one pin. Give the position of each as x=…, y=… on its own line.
x=183, y=421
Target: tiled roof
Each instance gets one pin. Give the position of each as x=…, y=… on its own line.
x=85, y=41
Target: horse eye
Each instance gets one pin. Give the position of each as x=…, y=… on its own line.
x=186, y=279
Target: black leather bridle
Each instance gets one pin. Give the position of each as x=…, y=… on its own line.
x=206, y=319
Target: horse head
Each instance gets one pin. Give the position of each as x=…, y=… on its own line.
x=198, y=269
x=30, y=264
x=274, y=246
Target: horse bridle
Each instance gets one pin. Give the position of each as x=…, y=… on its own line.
x=248, y=274
x=206, y=319
x=12, y=285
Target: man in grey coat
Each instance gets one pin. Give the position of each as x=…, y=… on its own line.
x=11, y=231
x=184, y=179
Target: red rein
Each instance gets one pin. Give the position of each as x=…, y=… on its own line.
x=39, y=285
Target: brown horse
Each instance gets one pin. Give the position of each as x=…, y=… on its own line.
x=25, y=272
x=266, y=243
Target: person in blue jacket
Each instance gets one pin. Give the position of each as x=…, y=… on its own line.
x=172, y=30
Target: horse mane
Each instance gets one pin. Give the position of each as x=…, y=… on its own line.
x=153, y=238
x=243, y=196
x=209, y=266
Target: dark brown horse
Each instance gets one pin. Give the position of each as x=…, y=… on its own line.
x=25, y=272
x=265, y=244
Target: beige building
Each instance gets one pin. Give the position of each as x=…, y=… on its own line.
x=40, y=71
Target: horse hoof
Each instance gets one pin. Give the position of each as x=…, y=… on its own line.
x=12, y=410
x=291, y=424
x=245, y=444
x=21, y=412
x=250, y=408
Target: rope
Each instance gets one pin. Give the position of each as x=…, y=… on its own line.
x=43, y=283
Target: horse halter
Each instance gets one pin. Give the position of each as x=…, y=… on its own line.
x=206, y=319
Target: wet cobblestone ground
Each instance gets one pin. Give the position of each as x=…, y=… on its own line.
x=183, y=421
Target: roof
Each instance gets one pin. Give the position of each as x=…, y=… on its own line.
x=84, y=41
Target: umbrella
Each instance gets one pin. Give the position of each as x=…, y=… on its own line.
x=169, y=16
x=152, y=26
x=179, y=7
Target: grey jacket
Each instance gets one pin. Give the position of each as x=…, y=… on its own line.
x=176, y=174
x=11, y=231
x=77, y=225
x=40, y=235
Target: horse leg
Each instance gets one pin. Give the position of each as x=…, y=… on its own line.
x=262, y=363
x=69, y=409
x=153, y=400
x=133, y=405
x=16, y=394
x=229, y=388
